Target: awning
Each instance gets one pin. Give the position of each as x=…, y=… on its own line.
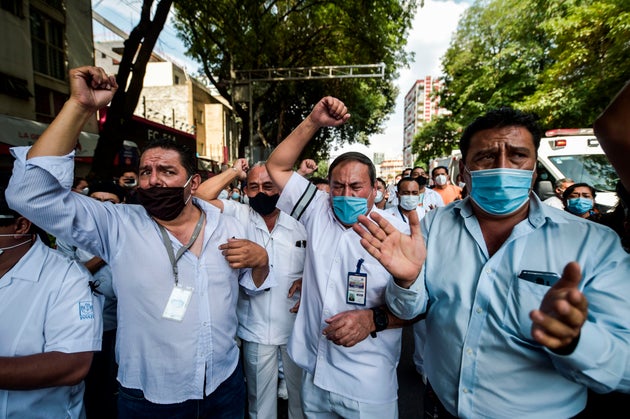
x=23, y=132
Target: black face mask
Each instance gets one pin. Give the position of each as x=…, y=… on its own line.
x=163, y=203
x=264, y=204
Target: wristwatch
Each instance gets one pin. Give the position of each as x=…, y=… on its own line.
x=381, y=321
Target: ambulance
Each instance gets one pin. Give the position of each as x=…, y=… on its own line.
x=575, y=153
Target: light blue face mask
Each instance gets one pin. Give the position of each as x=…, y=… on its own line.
x=409, y=202
x=500, y=191
x=579, y=206
x=379, y=197
x=348, y=208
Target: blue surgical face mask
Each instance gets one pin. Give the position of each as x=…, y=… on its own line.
x=348, y=208
x=579, y=206
x=500, y=191
x=379, y=197
x=235, y=196
x=409, y=202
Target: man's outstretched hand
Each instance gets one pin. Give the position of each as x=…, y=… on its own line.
x=401, y=254
x=563, y=311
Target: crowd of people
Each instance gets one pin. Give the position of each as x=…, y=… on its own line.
x=182, y=298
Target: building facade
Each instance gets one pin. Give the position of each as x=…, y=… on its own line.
x=41, y=41
x=421, y=105
x=172, y=97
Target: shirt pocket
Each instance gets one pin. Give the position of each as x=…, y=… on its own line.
x=523, y=297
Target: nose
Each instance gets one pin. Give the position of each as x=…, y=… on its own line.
x=153, y=179
x=502, y=157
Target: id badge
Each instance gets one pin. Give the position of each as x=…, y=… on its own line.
x=177, y=303
x=356, y=288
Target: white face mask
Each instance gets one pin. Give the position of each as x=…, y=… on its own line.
x=441, y=180
x=2, y=249
x=409, y=202
x=379, y=197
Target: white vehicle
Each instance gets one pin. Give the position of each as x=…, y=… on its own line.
x=576, y=154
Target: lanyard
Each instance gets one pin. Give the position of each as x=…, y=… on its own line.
x=169, y=247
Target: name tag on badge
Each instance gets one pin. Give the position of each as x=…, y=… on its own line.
x=177, y=303
x=356, y=288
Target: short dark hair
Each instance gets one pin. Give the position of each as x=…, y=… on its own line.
x=108, y=187
x=186, y=156
x=568, y=191
x=318, y=181
x=408, y=179
x=354, y=156
x=500, y=118
x=382, y=182
x=438, y=168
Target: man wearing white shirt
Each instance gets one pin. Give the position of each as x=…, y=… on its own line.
x=265, y=318
x=50, y=324
x=429, y=199
x=348, y=373
x=556, y=200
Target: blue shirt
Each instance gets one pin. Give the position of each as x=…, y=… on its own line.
x=479, y=355
x=170, y=361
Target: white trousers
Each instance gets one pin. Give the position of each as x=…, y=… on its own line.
x=322, y=404
x=261, y=372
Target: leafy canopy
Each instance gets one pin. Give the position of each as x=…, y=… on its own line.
x=227, y=36
x=563, y=60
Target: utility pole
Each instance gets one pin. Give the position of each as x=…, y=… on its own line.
x=244, y=79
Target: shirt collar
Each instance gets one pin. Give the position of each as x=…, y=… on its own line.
x=539, y=213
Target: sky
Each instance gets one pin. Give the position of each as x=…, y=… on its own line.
x=429, y=38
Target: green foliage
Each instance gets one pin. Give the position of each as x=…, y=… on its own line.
x=563, y=60
x=436, y=139
x=226, y=36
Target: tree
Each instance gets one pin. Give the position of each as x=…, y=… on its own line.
x=226, y=36
x=437, y=138
x=138, y=49
x=588, y=61
x=563, y=60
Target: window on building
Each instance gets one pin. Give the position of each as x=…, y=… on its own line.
x=47, y=38
x=48, y=103
x=14, y=86
x=15, y=7
x=176, y=80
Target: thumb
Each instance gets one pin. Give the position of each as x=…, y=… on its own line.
x=571, y=276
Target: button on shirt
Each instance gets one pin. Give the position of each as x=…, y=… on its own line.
x=265, y=317
x=365, y=372
x=170, y=361
x=479, y=355
x=46, y=306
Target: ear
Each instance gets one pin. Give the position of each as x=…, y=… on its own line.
x=22, y=225
x=195, y=181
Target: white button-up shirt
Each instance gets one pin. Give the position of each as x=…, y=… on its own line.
x=264, y=317
x=170, y=361
x=365, y=372
x=47, y=306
